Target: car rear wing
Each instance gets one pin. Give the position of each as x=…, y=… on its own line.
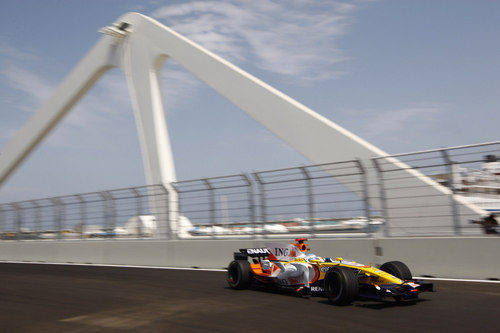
x=261, y=252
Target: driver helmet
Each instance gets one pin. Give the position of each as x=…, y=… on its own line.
x=312, y=256
x=301, y=245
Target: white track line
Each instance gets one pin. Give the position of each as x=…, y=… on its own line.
x=454, y=280
x=110, y=265
x=208, y=269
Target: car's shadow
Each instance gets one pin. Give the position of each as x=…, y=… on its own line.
x=376, y=304
x=361, y=302
x=379, y=305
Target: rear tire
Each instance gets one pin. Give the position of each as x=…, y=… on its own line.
x=239, y=274
x=398, y=269
x=341, y=285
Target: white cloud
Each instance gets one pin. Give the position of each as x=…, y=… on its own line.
x=7, y=51
x=99, y=108
x=290, y=38
x=21, y=79
x=104, y=106
x=293, y=38
x=376, y=122
x=177, y=85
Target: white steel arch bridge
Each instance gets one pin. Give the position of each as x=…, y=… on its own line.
x=140, y=46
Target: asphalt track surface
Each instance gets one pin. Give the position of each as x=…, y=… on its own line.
x=65, y=298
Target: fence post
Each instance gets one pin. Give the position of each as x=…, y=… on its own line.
x=112, y=212
x=366, y=195
x=177, y=215
x=169, y=231
x=138, y=204
x=383, y=197
x=211, y=201
x=2, y=219
x=451, y=184
x=310, y=199
x=83, y=215
x=251, y=202
x=262, y=194
x=62, y=220
x=38, y=217
x=58, y=216
x=104, y=209
x=18, y=220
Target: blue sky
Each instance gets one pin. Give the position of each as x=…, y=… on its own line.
x=404, y=75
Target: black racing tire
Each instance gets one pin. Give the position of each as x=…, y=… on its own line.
x=341, y=285
x=398, y=269
x=239, y=274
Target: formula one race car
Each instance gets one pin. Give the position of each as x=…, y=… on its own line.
x=290, y=267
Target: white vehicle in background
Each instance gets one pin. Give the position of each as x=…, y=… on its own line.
x=142, y=226
x=480, y=187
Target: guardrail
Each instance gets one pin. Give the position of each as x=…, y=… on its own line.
x=471, y=172
x=323, y=200
x=108, y=214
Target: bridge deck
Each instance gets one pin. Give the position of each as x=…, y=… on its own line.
x=49, y=298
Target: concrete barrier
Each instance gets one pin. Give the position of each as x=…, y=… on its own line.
x=448, y=257
x=468, y=258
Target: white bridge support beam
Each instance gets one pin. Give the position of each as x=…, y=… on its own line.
x=142, y=64
x=95, y=63
x=140, y=45
x=142, y=68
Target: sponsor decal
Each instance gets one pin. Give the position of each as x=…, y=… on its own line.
x=281, y=252
x=325, y=269
x=258, y=251
x=414, y=285
x=316, y=289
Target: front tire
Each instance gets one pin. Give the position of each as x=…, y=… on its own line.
x=341, y=285
x=239, y=274
x=398, y=269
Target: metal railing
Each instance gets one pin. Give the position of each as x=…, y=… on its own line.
x=459, y=169
x=376, y=197
x=127, y=212
x=321, y=198
x=208, y=206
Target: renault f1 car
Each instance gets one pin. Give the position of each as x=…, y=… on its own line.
x=291, y=267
